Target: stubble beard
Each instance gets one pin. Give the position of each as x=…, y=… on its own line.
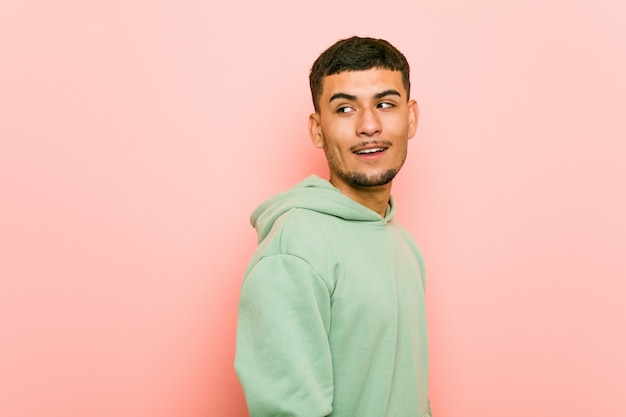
x=359, y=179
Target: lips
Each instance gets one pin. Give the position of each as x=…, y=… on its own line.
x=370, y=151
x=370, y=148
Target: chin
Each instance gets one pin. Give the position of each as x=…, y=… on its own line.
x=359, y=179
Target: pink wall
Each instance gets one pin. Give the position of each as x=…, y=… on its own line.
x=136, y=137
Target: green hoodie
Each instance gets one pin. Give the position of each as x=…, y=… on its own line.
x=331, y=315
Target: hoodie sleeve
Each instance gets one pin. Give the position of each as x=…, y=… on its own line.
x=283, y=358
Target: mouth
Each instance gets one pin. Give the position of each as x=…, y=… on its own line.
x=370, y=148
x=370, y=151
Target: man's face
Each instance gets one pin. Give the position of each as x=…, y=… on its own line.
x=363, y=125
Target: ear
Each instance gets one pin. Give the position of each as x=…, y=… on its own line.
x=315, y=130
x=414, y=113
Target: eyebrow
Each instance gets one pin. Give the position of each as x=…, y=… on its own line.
x=351, y=97
x=385, y=93
x=342, y=95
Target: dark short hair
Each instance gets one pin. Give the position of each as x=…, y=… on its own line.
x=356, y=54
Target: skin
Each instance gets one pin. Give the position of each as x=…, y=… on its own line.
x=358, y=111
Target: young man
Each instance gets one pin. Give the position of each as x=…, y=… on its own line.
x=331, y=316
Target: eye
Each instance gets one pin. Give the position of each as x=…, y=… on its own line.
x=344, y=109
x=385, y=105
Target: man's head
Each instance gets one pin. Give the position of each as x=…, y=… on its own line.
x=356, y=54
x=363, y=117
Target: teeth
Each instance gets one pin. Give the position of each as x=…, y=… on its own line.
x=370, y=150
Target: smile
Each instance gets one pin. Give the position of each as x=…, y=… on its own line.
x=370, y=150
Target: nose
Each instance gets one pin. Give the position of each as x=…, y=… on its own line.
x=368, y=123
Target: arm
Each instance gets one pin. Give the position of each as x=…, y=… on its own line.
x=283, y=359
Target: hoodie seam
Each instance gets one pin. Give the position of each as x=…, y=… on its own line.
x=307, y=263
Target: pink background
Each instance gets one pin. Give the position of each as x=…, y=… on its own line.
x=136, y=137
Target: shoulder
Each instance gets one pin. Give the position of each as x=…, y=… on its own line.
x=305, y=234
x=404, y=233
x=410, y=241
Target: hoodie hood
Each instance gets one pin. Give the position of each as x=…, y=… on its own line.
x=316, y=194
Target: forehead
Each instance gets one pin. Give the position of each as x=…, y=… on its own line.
x=363, y=83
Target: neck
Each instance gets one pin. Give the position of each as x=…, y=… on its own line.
x=374, y=198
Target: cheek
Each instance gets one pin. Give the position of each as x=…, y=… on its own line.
x=338, y=130
x=333, y=141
